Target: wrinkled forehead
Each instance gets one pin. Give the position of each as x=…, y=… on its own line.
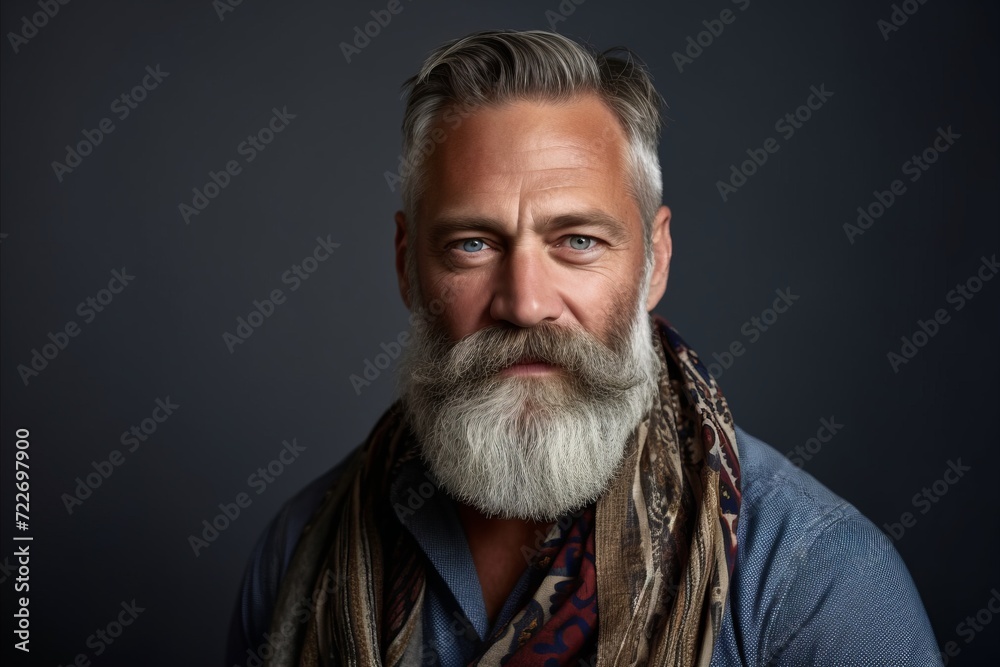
x=529, y=146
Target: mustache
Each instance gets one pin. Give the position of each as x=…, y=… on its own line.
x=478, y=358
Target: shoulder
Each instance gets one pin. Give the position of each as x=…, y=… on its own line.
x=815, y=581
x=268, y=562
x=777, y=494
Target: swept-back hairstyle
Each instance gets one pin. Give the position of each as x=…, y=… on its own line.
x=497, y=66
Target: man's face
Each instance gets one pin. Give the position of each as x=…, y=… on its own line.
x=525, y=388
x=527, y=219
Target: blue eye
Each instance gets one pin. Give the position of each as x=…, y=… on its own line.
x=581, y=242
x=472, y=245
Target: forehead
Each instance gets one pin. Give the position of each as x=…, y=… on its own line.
x=529, y=152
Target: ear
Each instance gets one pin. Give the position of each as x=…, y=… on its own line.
x=662, y=251
x=401, y=242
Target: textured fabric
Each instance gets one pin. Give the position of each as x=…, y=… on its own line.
x=815, y=583
x=658, y=550
x=568, y=589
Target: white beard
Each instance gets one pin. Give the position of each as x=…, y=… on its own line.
x=528, y=447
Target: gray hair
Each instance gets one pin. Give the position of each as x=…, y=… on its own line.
x=492, y=67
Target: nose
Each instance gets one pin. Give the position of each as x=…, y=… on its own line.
x=526, y=294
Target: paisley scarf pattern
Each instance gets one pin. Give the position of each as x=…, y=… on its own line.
x=639, y=577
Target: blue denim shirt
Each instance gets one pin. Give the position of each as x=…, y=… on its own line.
x=815, y=582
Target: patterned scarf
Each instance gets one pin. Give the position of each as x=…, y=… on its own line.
x=648, y=564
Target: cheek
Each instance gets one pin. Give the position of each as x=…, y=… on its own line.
x=604, y=308
x=457, y=305
x=591, y=305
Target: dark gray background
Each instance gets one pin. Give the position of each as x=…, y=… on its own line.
x=324, y=175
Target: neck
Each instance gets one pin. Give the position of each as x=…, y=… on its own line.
x=497, y=550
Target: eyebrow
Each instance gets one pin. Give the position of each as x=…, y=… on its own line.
x=612, y=227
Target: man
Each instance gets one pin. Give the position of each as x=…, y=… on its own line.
x=561, y=481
